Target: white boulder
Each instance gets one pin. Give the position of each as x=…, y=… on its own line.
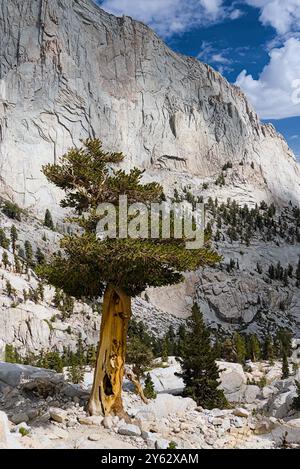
x=233, y=381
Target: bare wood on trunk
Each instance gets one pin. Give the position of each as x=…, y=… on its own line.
x=138, y=387
x=106, y=395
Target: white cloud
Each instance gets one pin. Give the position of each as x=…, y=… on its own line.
x=276, y=93
x=219, y=58
x=236, y=14
x=283, y=15
x=169, y=17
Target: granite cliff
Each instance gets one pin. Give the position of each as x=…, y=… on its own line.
x=69, y=70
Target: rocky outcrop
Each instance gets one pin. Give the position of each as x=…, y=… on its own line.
x=69, y=70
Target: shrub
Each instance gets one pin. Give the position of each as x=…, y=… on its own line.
x=12, y=210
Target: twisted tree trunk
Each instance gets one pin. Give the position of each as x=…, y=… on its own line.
x=106, y=395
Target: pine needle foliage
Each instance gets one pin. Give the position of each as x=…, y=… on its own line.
x=89, y=176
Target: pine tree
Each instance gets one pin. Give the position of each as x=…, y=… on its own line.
x=171, y=341
x=75, y=373
x=4, y=241
x=199, y=369
x=40, y=291
x=28, y=253
x=5, y=260
x=123, y=268
x=149, y=391
x=255, y=348
x=80, y=359
x=228, y=352
x=17, y=264
x=181, y=340
x=10, y=291
x=285, y=366
x=58, y=296
x=218, y=349
x=13, y=238
x=91, y=356
x=240, y=348
x=269, y=350
x=284, y=337
x=165, y=351
x=48, y=222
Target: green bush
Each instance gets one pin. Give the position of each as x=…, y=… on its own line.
x=12, y=210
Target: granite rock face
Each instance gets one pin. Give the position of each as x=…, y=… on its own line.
x=69, y=70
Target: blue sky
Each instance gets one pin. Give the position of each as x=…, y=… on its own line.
x=253, y=43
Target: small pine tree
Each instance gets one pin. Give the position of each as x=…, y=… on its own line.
x=48, y=222
x=54, y=361
x=5, y=260
x=165, y=351
x=4, y=241
x=17, y=264
x=285, y=366
x=255, y=348
x=240, y=348
x=149, y=390
x=269, y=350
x=200, y=372
x=28, y=253
x=91, y=356
x=57, y=297
x=284, y=338
x=40, y=291
x=228, y=350
x=13, y=238
x=218, y=349
x=75, y=372
x=10, y=291
x=181, y=339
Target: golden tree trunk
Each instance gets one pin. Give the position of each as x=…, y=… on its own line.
x=106, y=395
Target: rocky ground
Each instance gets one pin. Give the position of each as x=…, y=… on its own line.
x=39, y=409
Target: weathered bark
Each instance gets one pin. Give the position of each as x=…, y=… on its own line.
x=138, y=387
x=106, y=395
